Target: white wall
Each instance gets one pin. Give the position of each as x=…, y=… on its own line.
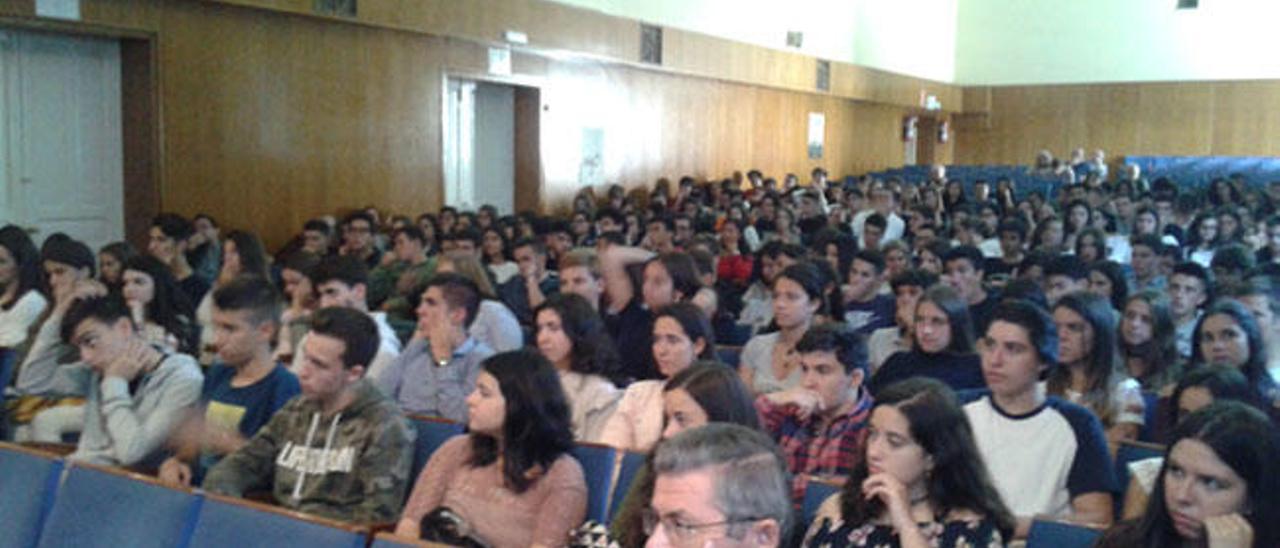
x=1066, y=41
x=914, y=37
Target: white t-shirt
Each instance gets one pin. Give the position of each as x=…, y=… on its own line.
x=1041, y=460
x=757, y=357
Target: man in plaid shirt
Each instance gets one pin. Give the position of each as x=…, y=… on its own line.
x=821, y=425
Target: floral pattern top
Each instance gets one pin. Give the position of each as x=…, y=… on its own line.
x=830, y=533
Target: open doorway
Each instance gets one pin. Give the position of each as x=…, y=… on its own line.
x=491, y=146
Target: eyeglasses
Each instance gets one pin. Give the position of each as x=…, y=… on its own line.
x=677, y=531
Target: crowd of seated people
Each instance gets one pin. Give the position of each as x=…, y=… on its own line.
x=960, y=358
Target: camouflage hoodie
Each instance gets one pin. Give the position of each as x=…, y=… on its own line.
x=352, y=466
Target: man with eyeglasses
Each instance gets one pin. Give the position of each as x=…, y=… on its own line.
x=359, y=239
x=1046, y=455
x=720, y=484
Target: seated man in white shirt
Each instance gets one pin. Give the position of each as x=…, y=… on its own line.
x=1047, y=456
x=884, y=202
x=343, y=280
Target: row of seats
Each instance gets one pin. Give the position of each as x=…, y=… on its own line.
x=49, y=503
x=1199, y=171
x=1023, y=182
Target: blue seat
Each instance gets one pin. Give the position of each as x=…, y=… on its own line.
x=431, y=432
x=1058, y=534
x=389, y=540
x=28, y=484
x=8, y=361
x=729, y=355
x=103, y=507
x=1150, y=402
x=631, y=464
x=226, y=521
x=816, y=491
x=597, y=467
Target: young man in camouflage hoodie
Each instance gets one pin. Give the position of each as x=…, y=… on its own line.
x=341, y=450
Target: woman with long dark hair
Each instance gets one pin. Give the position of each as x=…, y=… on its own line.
x=1228, y=335
x=111, y=260
x=511, y=479
x=571, y=336
x=496, y=253
x=1148, y=344
x=941, y=347
x=1217, y=487
x=161, y=311
x=704, y=393
x=21, y=296
x=1089, y=372
x=242, y=255
x=1203, y=239
x=769, y=361
x=1197, y=389
x=681, y=336
x=921, y=483
x=1107, y=279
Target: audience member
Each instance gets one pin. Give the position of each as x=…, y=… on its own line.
x=921, y=482
x=821, y=424
x=440, y=366
x=510, y=481
x=357, y=468
x=700, y=477
x=136, y=393
x=242, y=389
x=1047, y=456
x=941, y=346
x=571, y=336
x=681, y=335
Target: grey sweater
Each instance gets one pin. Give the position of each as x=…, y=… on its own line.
x=123, y=428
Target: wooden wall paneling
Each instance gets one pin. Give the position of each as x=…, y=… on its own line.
x=1112, y=121
x=1246, y=118
x=1178, y=119
x=528, y=160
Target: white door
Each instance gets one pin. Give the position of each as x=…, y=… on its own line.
x=479, y=145
x=61, y=142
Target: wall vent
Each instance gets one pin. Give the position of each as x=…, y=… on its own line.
x=651, y=44
x=337, y=8
x=795, y=38
x=822, y=80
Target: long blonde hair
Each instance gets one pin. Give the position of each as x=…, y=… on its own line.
x=466, y=264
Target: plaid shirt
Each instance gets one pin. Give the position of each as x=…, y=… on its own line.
x=831, y=452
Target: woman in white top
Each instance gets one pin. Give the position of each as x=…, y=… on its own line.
x=495, y=324
x=572, y=337
x=770, y=362
x=21, y=302
x=497, y=256
x=681, y=335
x=242, y=254
x=1091, y=373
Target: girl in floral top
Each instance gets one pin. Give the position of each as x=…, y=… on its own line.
x=922, y=482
